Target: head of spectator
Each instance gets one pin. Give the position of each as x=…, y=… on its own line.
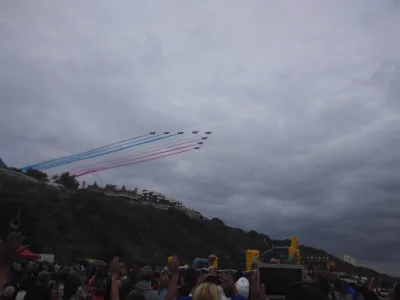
x=339, y=286
x=72, y=283
x=43, y=278
x=135, y=296
x=189, y=281
x=243, y=287
x=207, y=291
x=322, y=283
x=164, y=282
x=145, y=274
x=8, y=293
x=25, y=283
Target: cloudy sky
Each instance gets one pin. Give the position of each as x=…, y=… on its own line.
x=303, y=101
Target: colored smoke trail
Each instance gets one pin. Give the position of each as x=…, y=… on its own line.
x=122, y=159
x=128, y=164
x=104, y=153
x=76, y=156
x=82, y=153
x=133, y=158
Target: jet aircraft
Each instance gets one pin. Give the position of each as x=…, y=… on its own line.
x=166, y=132
x=180, y=132
x=153, y=132
x=195, y=132
x=197, y=148
x=200, y=143
x=208, y=132
x=204, y=137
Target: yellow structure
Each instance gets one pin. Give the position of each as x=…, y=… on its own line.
x=215, y=264
x=252, y=256
x=294, y=250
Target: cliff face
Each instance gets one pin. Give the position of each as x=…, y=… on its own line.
x=2, y=164
x=86, y=224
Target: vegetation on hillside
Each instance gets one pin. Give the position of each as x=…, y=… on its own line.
x=66, y=179
x=81, y=224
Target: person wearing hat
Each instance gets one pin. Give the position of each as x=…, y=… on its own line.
x=143, y=285
x=243, y=287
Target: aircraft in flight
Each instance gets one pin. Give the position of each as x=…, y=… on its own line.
x=197, y=148
x=166, y=132
x=200, y=143
x=153, y=132
x=204, y=137
x=208, y=132
x=180, y=132
x=195, y=132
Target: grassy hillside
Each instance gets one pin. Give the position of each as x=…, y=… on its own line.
x=86, y=224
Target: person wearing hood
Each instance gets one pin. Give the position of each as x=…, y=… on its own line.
x=143, y=286
x=243, y=287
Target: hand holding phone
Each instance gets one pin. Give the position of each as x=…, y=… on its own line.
x=215, y=279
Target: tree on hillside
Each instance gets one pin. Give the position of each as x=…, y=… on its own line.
x=217, y=221
x=37, y=174
x=16, y=170
x=67, y=180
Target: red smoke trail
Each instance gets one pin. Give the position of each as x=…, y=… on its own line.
x=138, y=157
x=128, y=164
x=123, y=159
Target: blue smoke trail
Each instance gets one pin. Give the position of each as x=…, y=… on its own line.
x=73, y=158
x=78, y=154
x=104, y=153
x=45, y=166
x=140, y=149
x=45, y=163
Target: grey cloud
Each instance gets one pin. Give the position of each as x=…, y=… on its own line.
x=302, y=102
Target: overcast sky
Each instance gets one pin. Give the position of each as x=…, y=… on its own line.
x=302, y=98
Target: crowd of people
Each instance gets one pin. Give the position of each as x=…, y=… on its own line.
x=29, y=280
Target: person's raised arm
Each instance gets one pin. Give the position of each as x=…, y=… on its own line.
x=115, y=270
x=173, y=283
x=227, y=281
x=257, y=290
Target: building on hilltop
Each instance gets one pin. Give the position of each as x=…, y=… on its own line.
x=176, y=203
x=350, y=260
x=146, y=197
x=112, y=190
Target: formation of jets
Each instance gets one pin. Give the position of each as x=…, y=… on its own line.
x=193, y=132
x=181, y=132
